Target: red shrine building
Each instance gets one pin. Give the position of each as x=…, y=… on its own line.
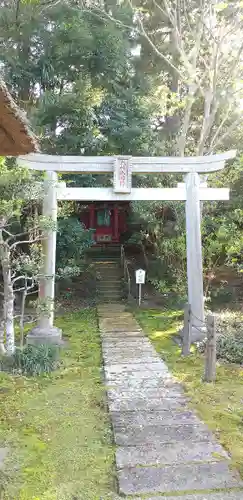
x=107, y=219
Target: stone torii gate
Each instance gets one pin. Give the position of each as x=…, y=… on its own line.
x=122, y=168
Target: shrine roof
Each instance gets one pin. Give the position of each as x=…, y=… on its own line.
x=16, y=137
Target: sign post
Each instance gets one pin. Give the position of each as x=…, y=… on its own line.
x=140, y=280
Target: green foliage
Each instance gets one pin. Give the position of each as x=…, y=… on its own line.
x=72, y=241
x=15, y=189
x=229, y=337
x=230, y=349
x=76, y=75
x=32, y=360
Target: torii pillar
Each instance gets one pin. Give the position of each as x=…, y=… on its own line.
x=45, y=331
x=194, y=256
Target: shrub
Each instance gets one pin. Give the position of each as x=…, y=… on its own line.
x=229, y=337
x=32, y=360
x=230, y=348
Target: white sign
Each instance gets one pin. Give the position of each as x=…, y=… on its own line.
x=122, y=174
x=140, y=276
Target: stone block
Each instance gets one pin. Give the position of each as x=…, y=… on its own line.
x=145, y=393
x=173, y=478
x=135, y=435
x=144, y=403
x=143, y=418
x=138, y=384
x=156, y=366
x=49, y=335
x=222, y=495
x=131, y=358
x=169, y=453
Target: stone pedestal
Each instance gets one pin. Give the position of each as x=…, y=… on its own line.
x=43, y=335
x=197, y=334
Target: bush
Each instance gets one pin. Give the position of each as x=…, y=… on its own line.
x=32, y=360
x=229, y=337
x=230, y=348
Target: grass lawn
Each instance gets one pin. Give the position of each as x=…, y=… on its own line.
x=220, y=405
x=56, y=426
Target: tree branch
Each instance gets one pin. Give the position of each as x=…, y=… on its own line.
x=23, y=242
x=228, y=131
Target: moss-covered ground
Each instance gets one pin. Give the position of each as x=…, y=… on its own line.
x=56, y=426
x=220, y=405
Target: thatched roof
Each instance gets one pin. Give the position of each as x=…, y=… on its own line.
x=16, y=137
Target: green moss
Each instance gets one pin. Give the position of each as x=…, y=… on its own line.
x=56, y=425
x=219, y=404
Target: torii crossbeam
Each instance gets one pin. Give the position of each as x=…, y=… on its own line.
x=122, y=168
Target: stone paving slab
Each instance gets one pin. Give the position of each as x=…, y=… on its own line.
x=116, y=323
x=141, y=383
x=133, y=436
x=137, y=351
x=169, y=453
x=172, y=478
x=143, y=418
x=117, y=334
x=129, y=368
x=120, y=327
x=132, y=359
x=132, y=343
x=140, y=375
x=146, y=404
x=118, y=394
x=228, y=495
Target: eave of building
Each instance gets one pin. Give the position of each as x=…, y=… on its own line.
x=16, y=137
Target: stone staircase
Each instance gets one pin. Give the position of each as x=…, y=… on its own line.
x=107, y=266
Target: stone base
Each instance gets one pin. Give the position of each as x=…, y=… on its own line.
x=45, y=335
x=198, y=334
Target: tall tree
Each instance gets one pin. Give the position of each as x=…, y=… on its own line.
x=70, y=69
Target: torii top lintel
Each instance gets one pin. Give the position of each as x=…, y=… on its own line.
x=137, y=164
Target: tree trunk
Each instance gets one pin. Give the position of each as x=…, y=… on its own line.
x=9, y=307
x=2, y=346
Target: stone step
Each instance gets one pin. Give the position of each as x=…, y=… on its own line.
x=134, y=384
x=110, y=276
x=109, y=282
x=149, y=434
x=131, y=358
x=221, y=495
x=155, y=404
x=113, y=295
x=124, y=367
x=108, y=300
x=143, y=418
x=177, y=478
x=133, y=334
x=169, y=454
x=118, y=394
x=117, y=324
x=104, y=309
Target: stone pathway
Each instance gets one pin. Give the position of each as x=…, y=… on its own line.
x=162, y=446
